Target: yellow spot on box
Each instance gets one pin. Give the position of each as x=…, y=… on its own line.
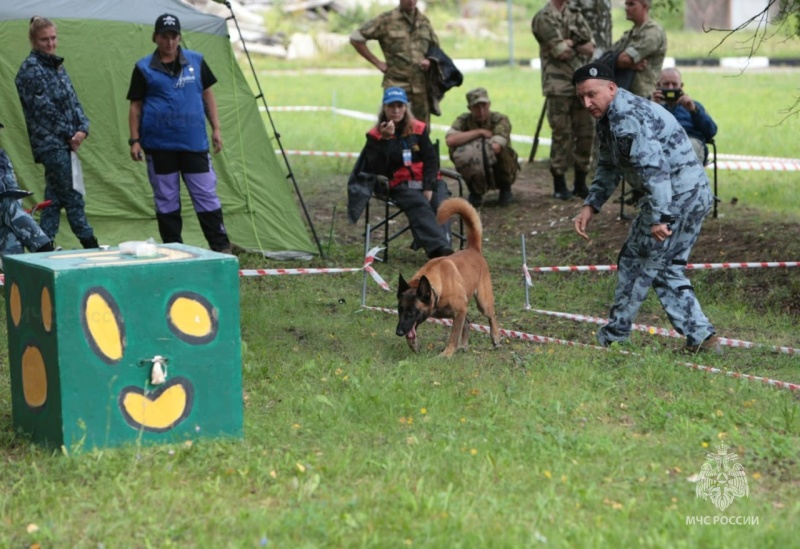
x=15, y=304
x=47, y=310
x=190, y=317
x=34, y=377
x=160, y=413
x=103, y=327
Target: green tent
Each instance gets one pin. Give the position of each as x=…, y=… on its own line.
x=100, y=41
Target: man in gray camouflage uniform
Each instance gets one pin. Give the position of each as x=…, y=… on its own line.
x=642, y=48
x=484, y=131
x=404, y=35
x=565, y=43
x=644, y=143
x=17, y=227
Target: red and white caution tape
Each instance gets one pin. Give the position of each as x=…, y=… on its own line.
x=368, y=261
x=319, y=153
x=724, y=161
x=654, y=330
x=543, y=339
x=724, y=156
x=759, y=165
x=694, y=266
x=764, y=380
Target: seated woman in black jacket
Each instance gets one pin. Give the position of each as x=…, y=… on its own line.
x=399, y=147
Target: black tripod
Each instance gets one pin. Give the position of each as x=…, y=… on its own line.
x=277, y=135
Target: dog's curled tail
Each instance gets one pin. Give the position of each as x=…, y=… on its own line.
x=472, y=220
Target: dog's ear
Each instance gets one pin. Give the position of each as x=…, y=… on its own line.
x=424, y=290
x=402, y=285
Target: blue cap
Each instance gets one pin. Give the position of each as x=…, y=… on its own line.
x=395, y=95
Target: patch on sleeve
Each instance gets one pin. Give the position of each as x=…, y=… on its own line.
x=624, y=144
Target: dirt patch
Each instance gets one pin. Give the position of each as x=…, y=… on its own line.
x=738, y=234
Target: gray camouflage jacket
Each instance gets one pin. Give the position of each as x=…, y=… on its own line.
x=52, y=111
x=642, y=142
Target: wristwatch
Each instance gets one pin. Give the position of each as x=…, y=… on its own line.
x=132, y=140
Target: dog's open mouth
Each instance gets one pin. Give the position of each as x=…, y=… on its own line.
x=412, y=333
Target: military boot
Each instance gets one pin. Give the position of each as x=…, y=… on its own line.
x=580, y=188
x=560, y=187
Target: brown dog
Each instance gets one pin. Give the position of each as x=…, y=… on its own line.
x=443, y=287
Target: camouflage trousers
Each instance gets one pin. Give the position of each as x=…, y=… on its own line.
x=58, y=188
x=572, y=129
x=421, y=214
x=506, y=169
x=420, y=107
x=18, y=229
x=645, y=262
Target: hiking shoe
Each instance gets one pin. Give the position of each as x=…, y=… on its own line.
x=505, y=197
x=711, y=344
x=562, y=195
x=476, y=200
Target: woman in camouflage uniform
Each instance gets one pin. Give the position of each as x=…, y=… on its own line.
x=57, y=127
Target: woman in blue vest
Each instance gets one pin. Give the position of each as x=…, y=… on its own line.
x=399, y=147
x=57, y=127
x=170, y=95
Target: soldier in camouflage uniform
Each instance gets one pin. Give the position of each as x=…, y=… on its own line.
x=404, y=35
x=642, y=48
x=57, y=126
x=598, y=14
x=644, y=143
x=565, y=43
x=483, y=127
x=17, y=227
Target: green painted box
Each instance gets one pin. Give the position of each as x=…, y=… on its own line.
x=106, y=348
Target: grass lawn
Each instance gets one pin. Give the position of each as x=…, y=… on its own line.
x=352, y=441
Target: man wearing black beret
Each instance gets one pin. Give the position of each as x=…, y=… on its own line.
x=642, y=142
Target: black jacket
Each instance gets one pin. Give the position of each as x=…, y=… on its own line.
x=442, y=75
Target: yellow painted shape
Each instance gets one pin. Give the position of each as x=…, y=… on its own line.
x=159, y=413
x=47, y=310
x=103, y=327
x=190, y=317
x=34, y=377
x=15, y=303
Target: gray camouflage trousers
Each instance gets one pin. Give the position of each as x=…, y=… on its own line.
x=645, y=262
x=58, y=188
x=18, y=229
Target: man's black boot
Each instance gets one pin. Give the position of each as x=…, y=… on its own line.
x=560, y=187
x=580, y=185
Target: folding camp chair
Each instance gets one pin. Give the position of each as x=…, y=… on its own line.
x=392, y=210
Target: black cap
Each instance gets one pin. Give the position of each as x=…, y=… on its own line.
x=593, y=70
x=167, y=23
